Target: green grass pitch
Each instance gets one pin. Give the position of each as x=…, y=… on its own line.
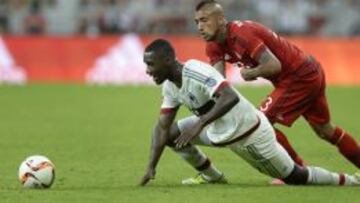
x=99, y=139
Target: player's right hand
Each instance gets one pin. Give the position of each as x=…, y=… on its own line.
x=149, y=175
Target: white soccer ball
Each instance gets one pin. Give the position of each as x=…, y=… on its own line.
x=37, y=172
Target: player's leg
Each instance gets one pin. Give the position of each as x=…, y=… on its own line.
x=269, y=157
x=261, y=150
x=282, y=139
x=192, y=154
x=311, y=175
x=275, y=107
x=338, y=137
x=318, y=116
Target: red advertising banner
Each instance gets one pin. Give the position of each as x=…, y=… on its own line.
x=118, y=59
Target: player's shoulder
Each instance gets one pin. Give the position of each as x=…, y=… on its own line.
x=197, y=67
x=191, y=63
x=243, y=27
x=236, y=25
x=200, y=72
x=243, y=24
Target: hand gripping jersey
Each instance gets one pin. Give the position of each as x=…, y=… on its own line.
x=200, y=83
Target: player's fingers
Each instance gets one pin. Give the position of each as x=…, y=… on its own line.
x=180, y=142
x=178, y=145
x=186, y=141
x=144, y=181
x=183, y=143
x=179, y=139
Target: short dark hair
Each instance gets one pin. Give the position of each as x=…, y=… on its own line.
x=203, y=3
x=161, y=47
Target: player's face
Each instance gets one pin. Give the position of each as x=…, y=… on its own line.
x=156, y=67
x=207, y=24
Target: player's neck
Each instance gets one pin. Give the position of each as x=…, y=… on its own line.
x=221, y=36
x=176, y=74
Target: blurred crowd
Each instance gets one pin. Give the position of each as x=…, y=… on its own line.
x=93, y=17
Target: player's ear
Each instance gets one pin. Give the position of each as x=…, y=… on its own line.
x=168, y=59
x=221, y=19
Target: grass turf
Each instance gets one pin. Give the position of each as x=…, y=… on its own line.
x=99, y=138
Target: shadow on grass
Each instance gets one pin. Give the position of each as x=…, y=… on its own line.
x=165, y=186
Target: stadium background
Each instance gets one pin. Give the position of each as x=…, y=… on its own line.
x=62, y=41
x=98, y=135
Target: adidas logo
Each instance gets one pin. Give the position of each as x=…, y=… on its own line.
x=122, y=64
x=9, y=72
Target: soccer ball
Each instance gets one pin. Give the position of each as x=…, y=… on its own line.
x=37, y=172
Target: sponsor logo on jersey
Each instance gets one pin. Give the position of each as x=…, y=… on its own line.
x=211, y=82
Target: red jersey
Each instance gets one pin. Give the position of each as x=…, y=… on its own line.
x=245, y=41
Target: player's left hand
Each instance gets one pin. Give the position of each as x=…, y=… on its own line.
x=149, y=175
x=248, y=74
x=187, y=135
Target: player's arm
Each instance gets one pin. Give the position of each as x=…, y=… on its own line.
x=227, y=99
x=160, y=136
x=268, y=65
x=216, y=56
x=220, y=67
x=158, y=143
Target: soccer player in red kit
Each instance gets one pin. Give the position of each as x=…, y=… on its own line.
x=298, y=78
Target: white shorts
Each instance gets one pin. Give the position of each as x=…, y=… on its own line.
x=260, y=149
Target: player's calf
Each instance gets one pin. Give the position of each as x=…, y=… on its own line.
x=345, y=143
x=298, y=176
x=194, y=156
x=199, y=161
x=318, y=176
x=283, y=141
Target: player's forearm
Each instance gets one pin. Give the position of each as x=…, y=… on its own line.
x=269, y=65
x=220, y=67
x=160, y=135
x=227, y=100
x=265, y=70
x=157, y=145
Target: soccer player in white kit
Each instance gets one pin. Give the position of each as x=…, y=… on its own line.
x=222, y=118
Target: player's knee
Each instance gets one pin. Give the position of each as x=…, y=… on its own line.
x=324, y=131
x=298, y=176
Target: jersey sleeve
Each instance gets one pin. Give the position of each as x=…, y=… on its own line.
x=214, y=52
x=169, y=102
x=255, y=47
x=214, y=82
x=248, y=34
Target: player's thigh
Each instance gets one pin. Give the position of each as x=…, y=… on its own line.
x=318, y=114
x=265, y=154
x=188, y=123
x=285, y=105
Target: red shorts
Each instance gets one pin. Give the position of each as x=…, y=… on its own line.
x=301, y=94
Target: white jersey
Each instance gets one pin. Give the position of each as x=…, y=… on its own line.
x=200, y=81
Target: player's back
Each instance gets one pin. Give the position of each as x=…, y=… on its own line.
x=201, y=85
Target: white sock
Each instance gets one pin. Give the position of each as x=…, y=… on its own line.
x=197, y=159
x=211, y=172
x=320, y=176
